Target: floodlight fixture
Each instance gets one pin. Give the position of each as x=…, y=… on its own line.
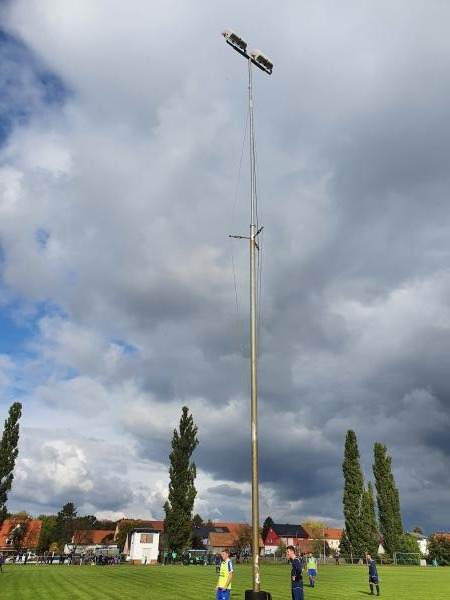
x=262, y=61
x=234, y=40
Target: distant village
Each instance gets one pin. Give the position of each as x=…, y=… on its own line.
x=144, y=542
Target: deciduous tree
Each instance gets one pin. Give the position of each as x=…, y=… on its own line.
x=439, y=549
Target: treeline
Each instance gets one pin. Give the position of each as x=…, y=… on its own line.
x=57, y=530
x=365, y=526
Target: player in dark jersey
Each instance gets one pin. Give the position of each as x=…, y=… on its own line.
x=373, y=574
x=296, y=573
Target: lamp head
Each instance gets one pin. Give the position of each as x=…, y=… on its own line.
x=234, y=40
x=262, y=61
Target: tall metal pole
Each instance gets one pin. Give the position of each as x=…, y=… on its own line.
x=253, y=346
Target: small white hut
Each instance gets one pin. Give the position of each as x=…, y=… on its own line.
x=142, y=546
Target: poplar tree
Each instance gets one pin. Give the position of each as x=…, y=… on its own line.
x=8, y=454
x=388, y=500
x=353, y=494
x=369, y=526
x=182, y=492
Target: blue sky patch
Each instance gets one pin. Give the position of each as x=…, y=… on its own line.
x=27, y=87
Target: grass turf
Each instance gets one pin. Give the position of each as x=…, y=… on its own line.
x=126, y=582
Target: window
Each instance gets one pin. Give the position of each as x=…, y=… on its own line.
x=146, y=538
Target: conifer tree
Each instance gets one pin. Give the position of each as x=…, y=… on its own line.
x=182, y=492
x=353, y=494
x=8, y=454
x=369, y=526
x=388, y=500
x=268, y=523
x=65, y=524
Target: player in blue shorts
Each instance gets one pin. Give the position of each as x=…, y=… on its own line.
x=373, y=574
x=311, y=565
x=223, y=587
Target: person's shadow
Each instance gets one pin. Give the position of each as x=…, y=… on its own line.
x=366, y=593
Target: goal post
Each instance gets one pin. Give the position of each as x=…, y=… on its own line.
x=407, y=558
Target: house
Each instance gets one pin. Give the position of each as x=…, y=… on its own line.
x=92, y=541
x=84, y=537
x=142, y=546
x=153, y=524
x=328, y=535
x=202, y=533
x=422, y=541
x=227, y=535
x=16, y=534
x=284, y=533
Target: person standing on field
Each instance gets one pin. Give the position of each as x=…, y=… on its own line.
x=223, y=587
x=312, y=569
x=373, y=574
x=296, y=573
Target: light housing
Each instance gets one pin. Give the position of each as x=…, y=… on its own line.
x=262, y=61
x=234, y=40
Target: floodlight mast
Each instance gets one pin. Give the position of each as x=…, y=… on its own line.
x=261, y=61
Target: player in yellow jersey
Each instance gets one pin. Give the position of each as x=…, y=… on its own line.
x=223, y=587
x=311, y=565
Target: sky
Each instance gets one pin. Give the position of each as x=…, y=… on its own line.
x=124, y=169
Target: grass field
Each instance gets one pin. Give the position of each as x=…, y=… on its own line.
x=124, y=582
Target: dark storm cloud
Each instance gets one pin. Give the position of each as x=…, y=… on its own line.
x=353, y=144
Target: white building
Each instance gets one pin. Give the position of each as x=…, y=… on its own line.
x=142, y=546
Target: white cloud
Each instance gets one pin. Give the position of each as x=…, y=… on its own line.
x=115, y=209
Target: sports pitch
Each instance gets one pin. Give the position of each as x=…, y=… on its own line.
x=124, y=582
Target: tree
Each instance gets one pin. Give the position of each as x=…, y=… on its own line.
x=197, y=521
x=65, y=524
x=281, y=550
x=418, y=530
x=8, y=454
x=48, y=532
x=268, y=523
x=388, y=500
x=243, y=539
x=182, y=492
x=22, y=515
x=353, y=494
x=17, y=534
x=369, y=526
x=313, y=525
x=439, y=549
x=345, y=547
x=407, y=544
x=316, y=529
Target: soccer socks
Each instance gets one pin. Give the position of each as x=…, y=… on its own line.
x=371, y=588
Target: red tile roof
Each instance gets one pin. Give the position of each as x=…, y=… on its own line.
x=229, y=539
x=157, y=525
x=222, y=540
x=32, y=533
x=93, y=536
x=330, y=533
